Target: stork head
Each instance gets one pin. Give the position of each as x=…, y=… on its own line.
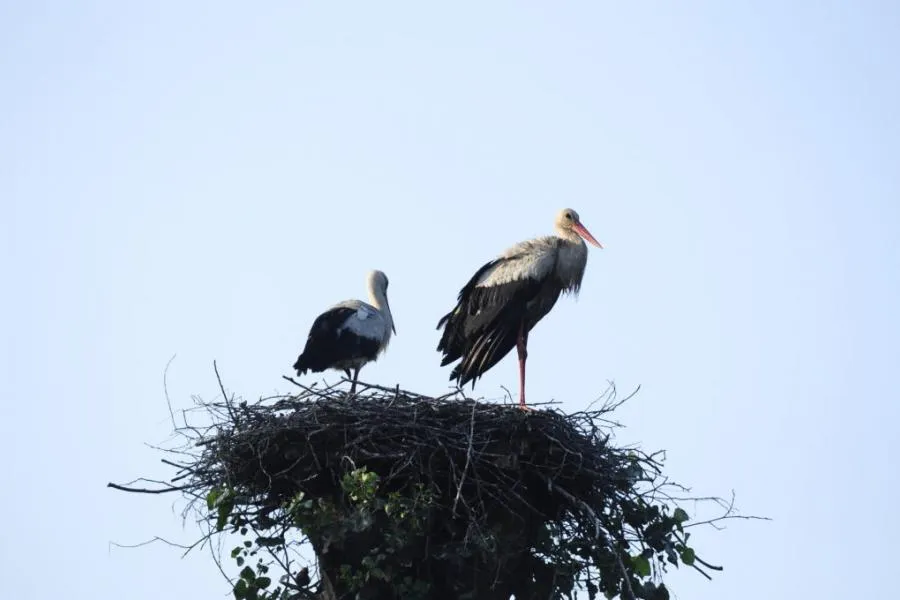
x=377, y=280
x=568, y=222
x=378, y=285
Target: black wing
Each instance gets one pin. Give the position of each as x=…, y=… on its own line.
x=327, y=344
x=483, y=326
x=454, y=321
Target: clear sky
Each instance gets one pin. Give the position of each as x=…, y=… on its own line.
x=201, y=179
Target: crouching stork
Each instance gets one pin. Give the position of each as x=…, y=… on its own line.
x=350, y=334
x=507, y=296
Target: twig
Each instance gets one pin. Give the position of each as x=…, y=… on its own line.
x=166, y=391
x=150, y=541
x=148, y=491
x=468, y=458
x=222, y=388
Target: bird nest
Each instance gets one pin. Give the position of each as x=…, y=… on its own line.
x=404, y=495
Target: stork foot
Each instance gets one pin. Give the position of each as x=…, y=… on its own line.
x=522, y=404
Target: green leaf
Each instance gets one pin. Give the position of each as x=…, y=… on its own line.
x=240, y=589
x=224, y=512
x=212, y=497
x=248, y=574
x=680, y=515
x=236, y=551
x=641, y=566
x=224, y=501
x=240, y=561
x=263, y=582
x=687, y=556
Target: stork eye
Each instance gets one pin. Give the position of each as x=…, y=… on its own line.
x=569, y=216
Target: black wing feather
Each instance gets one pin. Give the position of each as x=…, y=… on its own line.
x=483, y=326
x=326, y=346
x=453, y=337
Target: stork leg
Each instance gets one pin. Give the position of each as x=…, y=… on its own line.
x=355, y=377
x=522, y=348
x=349, y=375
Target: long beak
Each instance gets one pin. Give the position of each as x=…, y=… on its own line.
x=388, y=306
x=583, y=232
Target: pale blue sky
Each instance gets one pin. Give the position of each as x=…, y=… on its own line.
x=202, y=179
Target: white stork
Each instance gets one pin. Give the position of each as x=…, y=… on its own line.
x=350, y=334
x=507, y=296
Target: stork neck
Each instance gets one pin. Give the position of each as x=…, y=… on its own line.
x=569, y=236
x=378, y=299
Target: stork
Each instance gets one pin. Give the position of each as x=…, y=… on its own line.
x=350, y=334
x=507, y=297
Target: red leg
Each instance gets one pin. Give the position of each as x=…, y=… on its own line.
x=522, y=347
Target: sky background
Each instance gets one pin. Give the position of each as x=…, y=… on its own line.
x=202, y=179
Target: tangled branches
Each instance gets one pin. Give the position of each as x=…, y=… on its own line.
x=406, y=496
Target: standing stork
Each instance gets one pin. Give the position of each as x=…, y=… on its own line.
x=507, y=296
x=350, y=334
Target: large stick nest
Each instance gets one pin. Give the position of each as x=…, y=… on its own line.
x=484, y=458
x=532, y=503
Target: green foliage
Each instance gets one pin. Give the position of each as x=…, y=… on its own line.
x=611, y=566
x=222, y=500
x=637, y=541
x=360, y=485
x=396, y=519
x=254, y=581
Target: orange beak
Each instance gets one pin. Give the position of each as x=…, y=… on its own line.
x=583, y=232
